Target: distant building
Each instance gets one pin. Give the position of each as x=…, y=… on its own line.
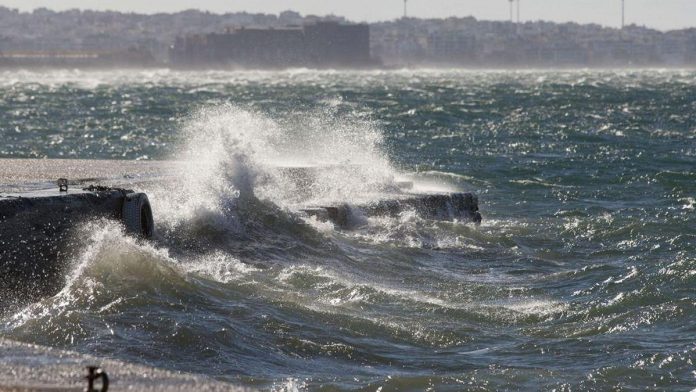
x=451, y=47
x=321, y=44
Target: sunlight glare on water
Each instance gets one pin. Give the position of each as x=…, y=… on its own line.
x=581, y=276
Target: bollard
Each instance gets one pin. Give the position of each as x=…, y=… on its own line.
x=62, y=184
x=94, y=373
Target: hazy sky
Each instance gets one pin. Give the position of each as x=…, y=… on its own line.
x=661, y=14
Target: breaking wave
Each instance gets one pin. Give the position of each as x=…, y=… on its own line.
x=569, y=281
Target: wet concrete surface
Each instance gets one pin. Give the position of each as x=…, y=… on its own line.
x=18, y=175
x=26, y=367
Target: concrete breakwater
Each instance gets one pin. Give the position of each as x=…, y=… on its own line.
x=38, y=222
x=38, y=232
x=36, y=235
x=446, y=207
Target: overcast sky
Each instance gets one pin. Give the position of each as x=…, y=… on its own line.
x=660, y=14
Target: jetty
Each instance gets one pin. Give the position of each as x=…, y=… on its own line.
x=42, y=202
x=40, y=210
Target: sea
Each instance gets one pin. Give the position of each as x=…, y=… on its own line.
x=582, y=275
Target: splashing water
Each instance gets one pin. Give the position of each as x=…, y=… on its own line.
x=581, y=276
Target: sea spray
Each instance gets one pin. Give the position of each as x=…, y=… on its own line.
x=580, y=277
x=111, y=268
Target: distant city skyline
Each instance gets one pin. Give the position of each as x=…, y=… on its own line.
x=659, y=14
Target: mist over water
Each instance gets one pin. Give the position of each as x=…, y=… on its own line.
x=581, y=276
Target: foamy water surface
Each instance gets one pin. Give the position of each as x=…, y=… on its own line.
x=582, y=275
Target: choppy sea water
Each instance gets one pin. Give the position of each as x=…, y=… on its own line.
x=581, y=277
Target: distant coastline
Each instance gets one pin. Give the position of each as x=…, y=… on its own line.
x=94, y=39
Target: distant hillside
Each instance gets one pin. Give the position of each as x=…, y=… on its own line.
x=467, y=41
x=452, y=41
x=72, y=30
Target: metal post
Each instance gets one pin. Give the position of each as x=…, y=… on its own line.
x=623, y=13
